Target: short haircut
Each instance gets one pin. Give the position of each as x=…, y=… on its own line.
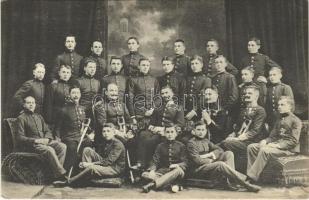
x=180, y=40
x=254, y=87
x=213, y=40
x=142, y=59
x=108, y=125
x=289, y=100
x=250, y=69
x=256, y=40
x=133, y=38
x=74, y=86
x=69, y=35
x=97, y=41
x=65, y=66
x=24, y=99
x=89, y=60
x=171, y=125
x=115, y=58
x=221, y=56
x=168, y=58
x=197, y=57
x=279, y=69
x=213, y=87
x=200, y=123
x=167, y=87
x=38, y=65
x=111, y=84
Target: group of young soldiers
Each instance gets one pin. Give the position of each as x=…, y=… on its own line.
x=191, y=121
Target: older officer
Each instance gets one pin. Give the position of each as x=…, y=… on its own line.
x=283, y=139
x=131, y=61
x=181, y=60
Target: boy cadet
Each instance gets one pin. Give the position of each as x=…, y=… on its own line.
x=34, y=88
x=96, y=55
x=68, y=57
x=115, y=77
x=33, y=135
x=181, y=60
x=131, y=61
x=282, y=141
x=169, y=162
x=275, y=89
x=107, y=160
x=248, y=128
x=212, y=49
x=209, y=160
x=172, y=78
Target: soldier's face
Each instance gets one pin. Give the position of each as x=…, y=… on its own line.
x=144, y=66
x=70, y=43
x=108, y=133
x=220, y=64
x=167, y=66
x=275, y=76
x=75, y=94
x=212, y=47
x=90, y=69
x=116, y=65
x=246, y=76
x=211, y=96
x=253, y=47
x=250, y=95
x=170, y=133
x=133, y=45
x=65, y=74
x=97, y=48
x=200, y=131
x=39, y=73
x=167, y=94
x=29, y=104
x=179, y=48
x=112, y=92
x=284, y=106
x=196, y=66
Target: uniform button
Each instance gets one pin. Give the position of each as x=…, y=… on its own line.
x=194, y=77
x=191, y=90
x=193, y=81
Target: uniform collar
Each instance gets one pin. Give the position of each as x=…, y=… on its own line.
x=133, y=53
x=179, y=56
x=37, y=80
x=170, y=73
x=67, y=51
x=114, y=73
x=274, y=84
x=283, y=115
x=87, y=76
x=253, y=54
x=198, y=73
x=95, y=55
x=26, y=111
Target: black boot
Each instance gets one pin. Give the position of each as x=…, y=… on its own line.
x=148, y=187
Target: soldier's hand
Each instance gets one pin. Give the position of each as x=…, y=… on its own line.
x=57, y=139
x=242, y=137
x=273, y=145
x=173, y=166
x=206, y=117
x=90, y=136
x=85, y=164
x=261, y=79
x=55, y=81
x=190, y=115
x=152, y=174
x=263, y=142
x=44, y=141
x=149, y=112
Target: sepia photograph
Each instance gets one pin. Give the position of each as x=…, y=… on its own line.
x=154, y=99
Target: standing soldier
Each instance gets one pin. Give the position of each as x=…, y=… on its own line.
x=115, y=77
x=172, y=78
x=34, y=88
x=212, y=49
x=131, y=61
x=96, y=55
x=68, y=57
x=181, y=60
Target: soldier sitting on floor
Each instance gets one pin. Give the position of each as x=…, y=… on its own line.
x=107, y=160
x=209, y=160
x=169, y=162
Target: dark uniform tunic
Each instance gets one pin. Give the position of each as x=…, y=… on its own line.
x=101, y=69
x=274, y=92
x=72, y=59
x=260, y=63
x=34, y=88
x=209, y=65
x=183, y=64
x=130, y=64
x=89, y=87
x=119, y=79
x=167, y=153
x=285, y=133
x=176, y=81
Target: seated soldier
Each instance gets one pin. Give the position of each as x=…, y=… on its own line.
x=107, y=160
x=208, y=160
x=33, y=135
x=249, y=128
x=282, y=141
x=168, y=164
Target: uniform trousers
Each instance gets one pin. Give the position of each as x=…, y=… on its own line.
x=165, y=176
x=258, y=157
x=55, y=153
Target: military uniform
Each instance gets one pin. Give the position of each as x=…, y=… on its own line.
x=274, y=92
x=183, y=64
x=119, y=79
x=167, y=153
x=285, y=133
x=31, y=126
x=260, y=63
x=209, y=66
x=34, y=88
x=130, y=64
x=72, y=59
x=101, y=69
x=262, y=93
x=227, y=89
x=176, y=81
x=165, y=115
x=254, y=133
